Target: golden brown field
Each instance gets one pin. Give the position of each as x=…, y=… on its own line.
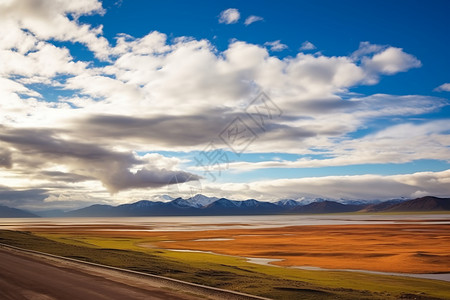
x=405, y=248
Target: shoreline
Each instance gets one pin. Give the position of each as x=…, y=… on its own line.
x=268, y=262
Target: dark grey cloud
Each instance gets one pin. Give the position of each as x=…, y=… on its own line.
x=5, y=158
x=21, y=198
x=164, y=130
x=86, y=160
x=62, y=176
x=149, y=178
x=45, y=142
x=325, y=106
x=185, y=131
x=36, y=199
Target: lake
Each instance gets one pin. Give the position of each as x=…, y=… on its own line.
x=192, y=223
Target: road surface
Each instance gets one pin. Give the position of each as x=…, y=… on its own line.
x=29, y=277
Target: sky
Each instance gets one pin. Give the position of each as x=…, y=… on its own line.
x=118, y=101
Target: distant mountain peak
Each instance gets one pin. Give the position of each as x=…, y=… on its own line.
x=200, y=200
x=225, y=203
x=287, y=202
x=197, y=201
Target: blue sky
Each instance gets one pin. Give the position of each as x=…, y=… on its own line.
x=336, y=28
x=118, y=101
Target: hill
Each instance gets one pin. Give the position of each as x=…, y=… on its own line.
x=423, y=204
x=325, y=207
x=427, y=203
x=379, y=207
x=8, y=212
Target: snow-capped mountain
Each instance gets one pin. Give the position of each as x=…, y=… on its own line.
x=287, y=203
x=201, y=205
x=200, y=200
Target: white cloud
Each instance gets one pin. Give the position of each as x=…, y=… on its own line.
x=276, y=45
x=378, y=60
x=391, y=145
x=158, y=161
x=391, y=61
x=229, y=16
x=443, y=88
x=102, y=86
x=45, y=61
x=365, y=49
x=252, y=19
x=356, y=187
x=153, y=93
x=150, y=76
x=48, y=19
x=307, y=46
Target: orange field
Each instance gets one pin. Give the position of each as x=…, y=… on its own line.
x=408, y=248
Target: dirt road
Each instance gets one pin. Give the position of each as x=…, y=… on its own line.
x=28, y=277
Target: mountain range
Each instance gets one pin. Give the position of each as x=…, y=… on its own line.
x=201, y=205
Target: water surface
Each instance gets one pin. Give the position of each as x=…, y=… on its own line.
x=193, y=223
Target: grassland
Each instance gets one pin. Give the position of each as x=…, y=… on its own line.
x=134, y=251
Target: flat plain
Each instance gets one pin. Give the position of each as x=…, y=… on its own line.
x=287, y=257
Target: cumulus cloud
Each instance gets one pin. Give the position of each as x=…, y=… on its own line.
x=307, y=46
x=391, y=61
x=252, y=19
x=155, y=93
x=102, y=86
x=129, y=100
x=365, y=49
x=193, y=76
x=276, y=45
x=49, y=19
x=44, y=61
x=443, y=88
x=229, y=16
x=376, y=60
